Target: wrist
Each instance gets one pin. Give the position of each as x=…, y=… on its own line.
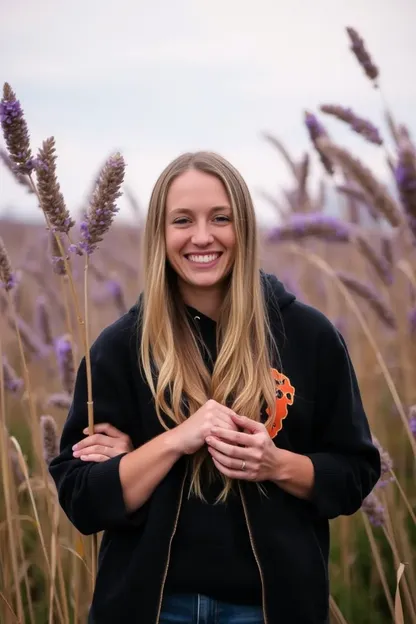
x=281, y=467
x=172, y=442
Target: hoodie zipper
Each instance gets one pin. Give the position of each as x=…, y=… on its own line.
x=243, y=500
x=170, y=547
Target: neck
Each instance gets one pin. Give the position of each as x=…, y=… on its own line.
x=207, y=300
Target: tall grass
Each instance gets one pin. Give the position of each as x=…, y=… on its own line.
x=358, y=268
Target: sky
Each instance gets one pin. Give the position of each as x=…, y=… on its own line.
x=154, y=78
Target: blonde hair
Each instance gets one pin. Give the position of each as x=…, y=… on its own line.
x=170, y=357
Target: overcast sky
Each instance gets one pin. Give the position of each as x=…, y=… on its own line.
x=155, y=78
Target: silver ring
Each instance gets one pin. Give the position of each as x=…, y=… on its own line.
x=243, y=465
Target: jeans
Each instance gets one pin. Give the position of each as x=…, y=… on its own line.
x=197, y=609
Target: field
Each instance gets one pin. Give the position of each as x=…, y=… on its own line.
x=359, y=268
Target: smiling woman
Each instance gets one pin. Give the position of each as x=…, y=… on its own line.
x=229, y=426
x=200, y=238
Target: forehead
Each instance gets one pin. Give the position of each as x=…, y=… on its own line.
x=196, y=190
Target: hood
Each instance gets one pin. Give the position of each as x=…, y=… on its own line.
x=275, y=291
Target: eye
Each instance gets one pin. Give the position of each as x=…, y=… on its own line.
x=181, y=221
x=222, y=218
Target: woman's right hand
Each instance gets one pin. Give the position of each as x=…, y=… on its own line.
x=190, y=435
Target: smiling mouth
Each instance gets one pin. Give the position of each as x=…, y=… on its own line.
x=203, y=258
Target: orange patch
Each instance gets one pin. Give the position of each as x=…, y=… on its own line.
x=285, y=393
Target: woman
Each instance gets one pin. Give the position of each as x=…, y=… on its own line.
x=229, y=427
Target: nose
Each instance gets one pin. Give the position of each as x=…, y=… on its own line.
x=201, y=235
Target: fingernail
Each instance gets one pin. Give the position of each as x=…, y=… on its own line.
x=208, y=439
x=74, y=448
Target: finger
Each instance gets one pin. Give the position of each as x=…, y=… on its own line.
x=226, y=422
x=247, y=423
x=99, y=449
x=223, y=409
x=97, y=438
x=231, y=450
x=228, y=462
x=106, y=428
x=234, y=437
x=94, y=457
x=228, y=472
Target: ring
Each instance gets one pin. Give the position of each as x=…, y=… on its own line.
x=243, y=465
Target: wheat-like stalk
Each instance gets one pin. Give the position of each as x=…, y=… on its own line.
x=369, y=294
x=376, y=192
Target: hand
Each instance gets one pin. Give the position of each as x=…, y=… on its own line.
x=106, y=442
x=249, y=455
x=190, y=435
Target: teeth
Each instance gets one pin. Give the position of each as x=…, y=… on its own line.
x=203, y=259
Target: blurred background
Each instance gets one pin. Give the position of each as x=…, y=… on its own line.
x=154, y=79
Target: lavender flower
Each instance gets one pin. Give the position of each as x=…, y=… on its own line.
x=376, y=192
x=316, y=130
x=369, y=294
x=317, y=224
x=43, y=320
x=51, y=198
x=361, y=126
x=386, y=464
x=12, y=382
x=102, y=206
x=361, y=54
x=58, y=263
x=65, y=357
x=20, y=178
x=60, y=399
x=412, y=420
x=412, y=320
x=405, y=175
x=7, y=277
x=15, y=131
x=50, y=438
x=374, y=510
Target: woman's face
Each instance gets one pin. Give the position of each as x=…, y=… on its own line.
x=199, y=230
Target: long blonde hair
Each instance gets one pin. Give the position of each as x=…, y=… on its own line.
x=170, y=356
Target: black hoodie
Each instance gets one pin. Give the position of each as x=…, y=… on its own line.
x=323, y=418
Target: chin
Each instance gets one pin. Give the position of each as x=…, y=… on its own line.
x=205, y=281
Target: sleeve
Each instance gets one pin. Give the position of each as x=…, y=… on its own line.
x=346, y=462
x=91, y=493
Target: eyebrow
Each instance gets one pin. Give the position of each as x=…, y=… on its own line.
x=190, y=211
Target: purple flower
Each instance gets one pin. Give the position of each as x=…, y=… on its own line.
x=361, y=54
x=412, y=420
x=361, y=126
x=405, y=174
x=317, y=130
x=319, y=225
x=102, y=206
x=7, y=278
x=374, y=510
x=386, y=465
x=15, y=131
x=51, y=199
x=412, y=320
x=12, y=382
x=66, y=365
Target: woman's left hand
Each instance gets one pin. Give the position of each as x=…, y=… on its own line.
x=106, y=442
x=250, y=455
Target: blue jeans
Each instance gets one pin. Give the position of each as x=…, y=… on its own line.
x=197, y=609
